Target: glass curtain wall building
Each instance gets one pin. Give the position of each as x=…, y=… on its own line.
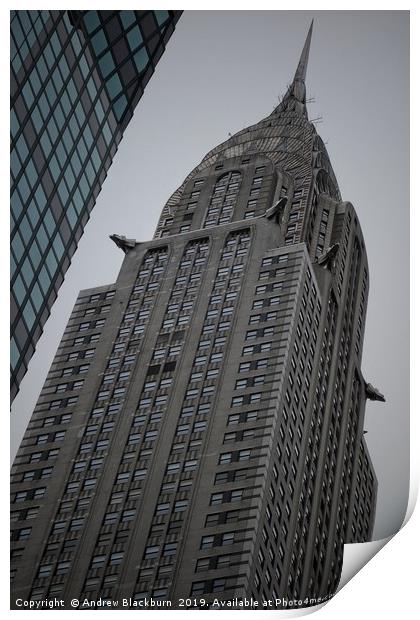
x=200, y=432
x=76, y=77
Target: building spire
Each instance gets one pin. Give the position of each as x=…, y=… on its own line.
x=300, y=74
x=295, y=97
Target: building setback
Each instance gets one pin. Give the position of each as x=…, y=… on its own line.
x=76, y=78
x=200, y=433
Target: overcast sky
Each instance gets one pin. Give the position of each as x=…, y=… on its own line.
x=223, y=71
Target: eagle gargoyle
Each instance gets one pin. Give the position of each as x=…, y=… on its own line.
x=373, y=394
x=123, y=243
x=326, y=259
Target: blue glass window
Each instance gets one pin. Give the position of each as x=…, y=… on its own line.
x=69, y=176
x=17, y=246
x=52, y=129
x=57, y=79
x=87, y=134
x=63, y=191
x=92, y=89
x=17, y=33
x=12, y=220
x=24, y=50
x=61, y=154
x=67, y=140
x=33, y=213
x=35, y=81
x=45, y=16
x=45, y=143
x=72, y=90
x=14, y=123
x=134, y=38
x=78, y=201
x=16, y=64
x=59, y=117
x=44, y=279
x=84, y=187
x=36, y=297
x=37, y=119
x=114, y=86
x=99, y=111
x=84, y=67
x=96, y=160
x=29, y=314
x=30, y=39
x=80, y=113
x=22, y=147
x=90, y=172
x=119, y=106
x=74, y=126
x=24, y=189
x=43, y=106
x=25, y=21
x=38, y=24
x=28, y=94
x=81, y=149
x=31, y=173
x=76, y=43
x=25, y=229
x=54, y=168
x=58, y=246
x=27, y=271
x=106, y=132
x=51, y=261
x=49, y=57
x=71, y=216
x=161, y=16
x=50, y=93
x=12, y=266
x=42, y=238
x=64, y=68
x=141, y=59
x=57, y=47
x=35, y=255
x=91, y=20
x=14, y=353
x=49, y=222
x=75, y=162
x=99, y=42
x=127, y=18
x=40, y=197
x=42, y=68
x=106, y=64
x=15, y=164
x=19, y=289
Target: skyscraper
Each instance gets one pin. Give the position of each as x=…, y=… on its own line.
x=76, y=79
x=200, y=433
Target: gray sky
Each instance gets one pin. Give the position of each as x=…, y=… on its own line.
x=223, y=71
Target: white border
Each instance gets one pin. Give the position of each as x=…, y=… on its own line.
x=387, y=585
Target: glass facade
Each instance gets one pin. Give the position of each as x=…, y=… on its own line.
x=76, y=77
